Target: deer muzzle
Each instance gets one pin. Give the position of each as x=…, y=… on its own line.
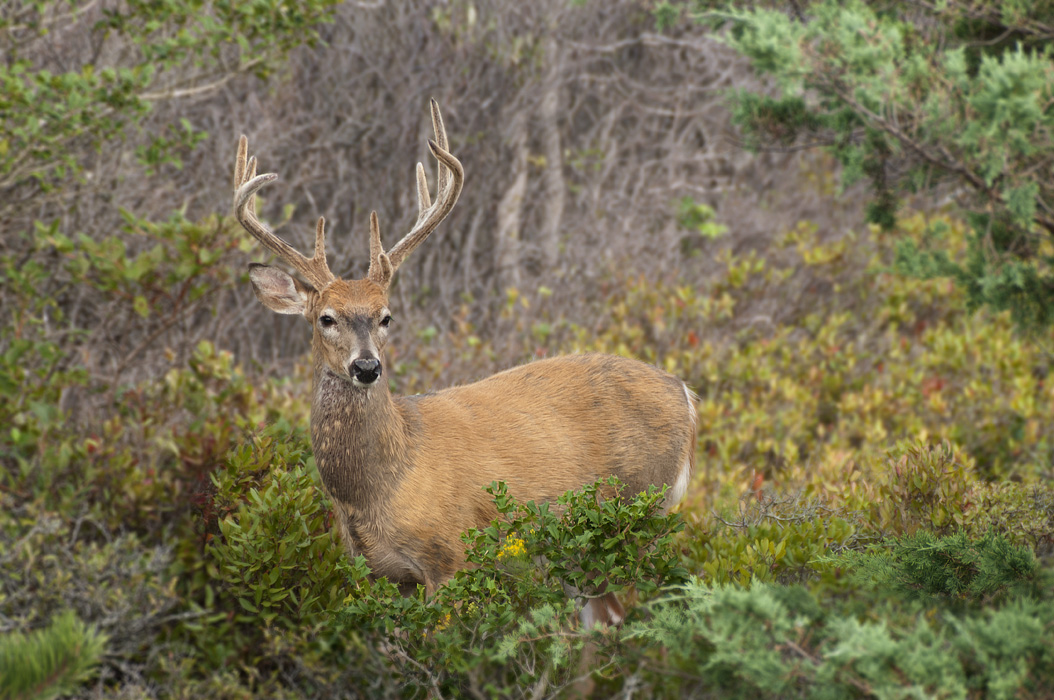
x=365, y=370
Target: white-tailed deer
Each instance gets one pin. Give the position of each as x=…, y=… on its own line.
x=407, y=473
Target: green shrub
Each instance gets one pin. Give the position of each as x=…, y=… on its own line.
x=49, y=662
x=274, y=554
x=722, y=641
x=772, y=540
x=925, y=487
x=957, y=568
x=1023, y=513
x=260, y=568
x=505, y=627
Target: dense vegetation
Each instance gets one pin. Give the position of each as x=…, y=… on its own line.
x=873, y=514
x=949, y=98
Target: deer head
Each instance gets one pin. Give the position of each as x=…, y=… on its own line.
x=350, y=318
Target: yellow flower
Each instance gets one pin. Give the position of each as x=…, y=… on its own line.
x=513, y=548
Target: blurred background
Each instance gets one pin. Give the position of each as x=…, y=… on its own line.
x=595, y=148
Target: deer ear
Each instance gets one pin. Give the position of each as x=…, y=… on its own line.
x=279, y=291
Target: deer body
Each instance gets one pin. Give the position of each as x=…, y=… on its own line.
x=406, y=474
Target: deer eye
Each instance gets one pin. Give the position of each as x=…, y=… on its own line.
x=386, y=321
x=326, y=321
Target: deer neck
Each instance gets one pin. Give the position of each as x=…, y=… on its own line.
x=359, y=440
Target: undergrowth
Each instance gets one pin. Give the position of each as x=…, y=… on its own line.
x=872, y=514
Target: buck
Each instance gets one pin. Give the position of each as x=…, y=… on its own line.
x=406, y=474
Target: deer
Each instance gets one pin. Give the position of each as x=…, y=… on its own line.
x=407, y=474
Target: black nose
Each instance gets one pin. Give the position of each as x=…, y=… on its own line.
x=366, y=370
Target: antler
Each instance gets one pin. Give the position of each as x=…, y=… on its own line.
x=314, y=270
x=451, y=177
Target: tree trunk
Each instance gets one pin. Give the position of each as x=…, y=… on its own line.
x=510, y=208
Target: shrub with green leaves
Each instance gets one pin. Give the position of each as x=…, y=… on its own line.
x=725, y=641
x=274, y=554
x=921, y=97
x=259, y=568
x=49, y=662
x=924, y=487
x=1023, y=513
x=505, y=627
x=769, y=540
x=923, y=566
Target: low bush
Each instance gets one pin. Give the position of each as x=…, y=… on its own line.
x=188, y=526
x=924, y=487
x=270, y=557
x=505, y=627
x=725, y=641
x=954, y=568
x=772, y=540
x=116, y=586
x=49, y=662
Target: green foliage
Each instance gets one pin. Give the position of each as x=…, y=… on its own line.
x=260, y=571
x=725, y=637
x=274, y=553
x=179, y=266
x=816, y=392
x=923, y=566
x=49, y=662
x=952, y=94
x=770, y=540
x=596, y=532
x=1023, y=513
x=926, y=487
x=177, y=263
x=142, y=465
x=1018, y=286
x=49, y=116
x=698, y=218
x=770, y=642
x=506, y=623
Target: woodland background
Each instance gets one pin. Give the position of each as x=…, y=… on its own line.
x=833, y=220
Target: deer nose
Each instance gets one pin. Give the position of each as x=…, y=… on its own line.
x=366, y=370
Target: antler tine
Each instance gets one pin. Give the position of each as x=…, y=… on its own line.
x=314, y=270
x=423, y=199
x=450, y=179
x=440, y=131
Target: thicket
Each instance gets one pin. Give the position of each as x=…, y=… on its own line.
x=190, y=535
x=872, y=515
x=950, y=99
